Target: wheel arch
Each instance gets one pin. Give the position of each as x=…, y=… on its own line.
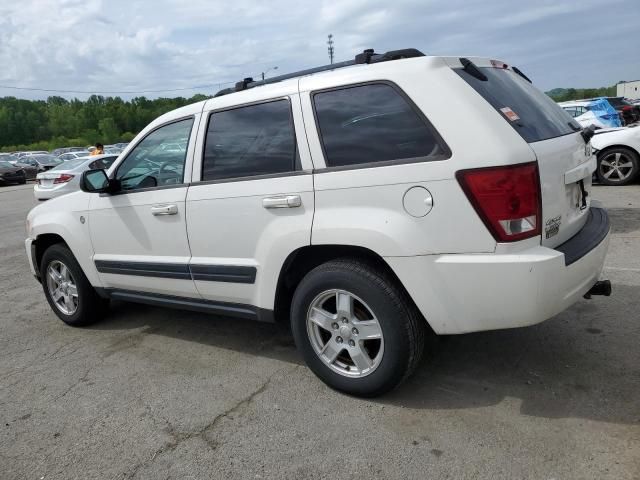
x=617, y=145
x=42, y=242
x=304, y=259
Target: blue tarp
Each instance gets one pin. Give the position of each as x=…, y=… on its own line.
x=605, y=112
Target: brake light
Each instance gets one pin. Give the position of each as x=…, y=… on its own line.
x=62, y=178
x=507, y=199
x=499, y=64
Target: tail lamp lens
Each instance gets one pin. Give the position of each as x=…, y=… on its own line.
x=507, y=199
x=63, y=178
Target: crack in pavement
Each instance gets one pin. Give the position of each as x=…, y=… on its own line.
x=179, y=437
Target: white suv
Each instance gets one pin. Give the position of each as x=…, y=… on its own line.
x=369, y=202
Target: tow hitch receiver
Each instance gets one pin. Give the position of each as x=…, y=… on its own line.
x=602, y=287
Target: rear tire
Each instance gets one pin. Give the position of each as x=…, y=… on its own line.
x=617, y=166
x=69, y=293
x=356, y=328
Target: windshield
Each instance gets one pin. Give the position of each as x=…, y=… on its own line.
x=5, y=164
x=529, y=111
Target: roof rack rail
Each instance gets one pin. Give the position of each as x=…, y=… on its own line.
x=366, y=57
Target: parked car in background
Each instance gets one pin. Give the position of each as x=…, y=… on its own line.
x=29, y=165
x=60, y=151
x=73, y=155
x=65, y=178
x=630, y=112
x=45, y=161
x=37, y=152
x=618, y=154
x=11, y=174
x=592, y=112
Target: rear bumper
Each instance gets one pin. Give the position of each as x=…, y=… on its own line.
x=473, y=292
x=48, y=193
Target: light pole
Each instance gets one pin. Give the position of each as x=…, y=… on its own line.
x=264, y=73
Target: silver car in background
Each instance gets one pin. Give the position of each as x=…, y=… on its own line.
x=73, y=155
x=65, y=178
x=44, y=161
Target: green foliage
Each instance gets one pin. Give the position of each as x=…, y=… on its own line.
x=57, y=122
x=566, y=94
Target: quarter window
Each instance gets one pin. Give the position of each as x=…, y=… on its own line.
x=151, y=163
x=373, y=123
x=248, y=141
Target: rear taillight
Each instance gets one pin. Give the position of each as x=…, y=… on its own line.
x=507, y=199
x=62, y=178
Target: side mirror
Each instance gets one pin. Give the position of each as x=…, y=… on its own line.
x=96, y=181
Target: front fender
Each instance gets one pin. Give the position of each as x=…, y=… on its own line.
x=67, y=217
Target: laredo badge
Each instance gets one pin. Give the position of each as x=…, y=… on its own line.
x=552, y=226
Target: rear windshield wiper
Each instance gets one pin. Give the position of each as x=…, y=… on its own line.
x=519, y=72
x=473, y=70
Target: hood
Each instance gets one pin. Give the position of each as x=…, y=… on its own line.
x=12, y=169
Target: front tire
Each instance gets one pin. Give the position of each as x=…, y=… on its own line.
x=617, y=166
x=356, y=328
x=69, y=293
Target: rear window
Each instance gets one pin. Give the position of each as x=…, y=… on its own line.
x=529, y=111
x=373, y=123
x=69, y=165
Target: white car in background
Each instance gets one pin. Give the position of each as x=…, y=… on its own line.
x=597, y=112
x=65, y=178
x=618, y=153
x=72, y=155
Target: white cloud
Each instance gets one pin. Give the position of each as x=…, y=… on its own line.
x=100, y=45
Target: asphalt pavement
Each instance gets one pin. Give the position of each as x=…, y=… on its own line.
x=153, y=393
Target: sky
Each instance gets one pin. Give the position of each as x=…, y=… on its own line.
x=199, y=46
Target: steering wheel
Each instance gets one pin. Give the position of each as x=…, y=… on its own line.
x=165, y=167
x=168, y=173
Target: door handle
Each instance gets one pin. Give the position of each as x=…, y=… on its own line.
x=164, y=210
x=285, y=201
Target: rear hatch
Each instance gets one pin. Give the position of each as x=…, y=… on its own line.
x=565, y=163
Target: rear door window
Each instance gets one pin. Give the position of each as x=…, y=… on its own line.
x=249, y=141
x=373, y=123
x=530, y=112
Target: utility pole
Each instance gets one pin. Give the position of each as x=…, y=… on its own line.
x=330, y=49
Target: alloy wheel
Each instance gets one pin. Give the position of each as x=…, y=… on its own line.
x=62, y=287
x=616, y=167
x=345, y=333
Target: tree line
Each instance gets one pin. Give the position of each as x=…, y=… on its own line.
x=566, y=94
x=57, y=122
